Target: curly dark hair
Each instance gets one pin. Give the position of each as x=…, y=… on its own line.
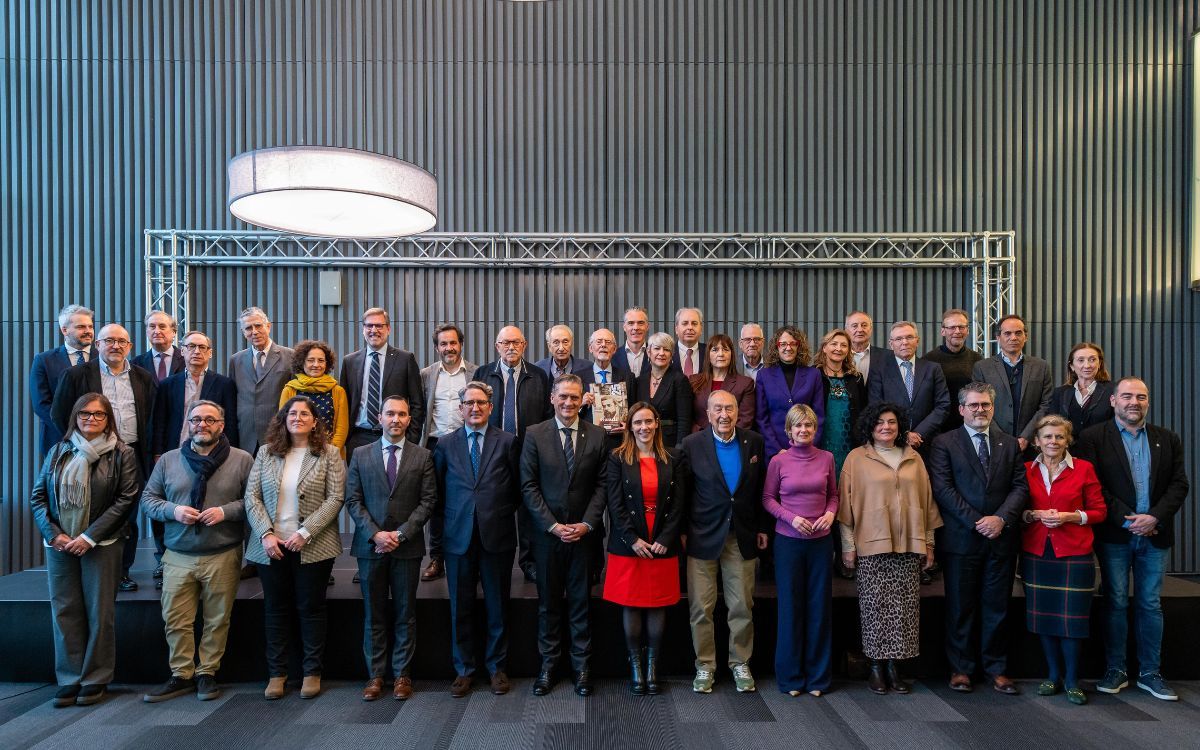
x=279, y=440
x=871, y=415
x=803, y=352
x=302, y=350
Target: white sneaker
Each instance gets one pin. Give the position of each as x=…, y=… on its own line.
x=703, y=682
x=743, y=679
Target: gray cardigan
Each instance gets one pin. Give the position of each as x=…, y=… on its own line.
x=170, y=485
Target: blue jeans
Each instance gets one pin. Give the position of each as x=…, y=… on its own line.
x=1147, y=562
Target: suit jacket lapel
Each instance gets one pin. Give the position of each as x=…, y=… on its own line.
x=306, y=466
x=744, y=445
x=1117, y=450
x=1001, y=374
x=1155, y=456
x=634, y=475
x=485, y=456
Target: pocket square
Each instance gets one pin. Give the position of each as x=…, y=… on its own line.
x=754, y=459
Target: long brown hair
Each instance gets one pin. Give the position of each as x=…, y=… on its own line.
x=705, y=378
x=848, y=365
x=279, y=440
x=110, y=422
x=1102, y=375
x=803, y=353
x=628, y=450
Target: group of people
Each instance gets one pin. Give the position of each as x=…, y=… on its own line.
x=848, y=461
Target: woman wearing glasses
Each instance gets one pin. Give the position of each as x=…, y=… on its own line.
x=81, y=502
x=293, y=497
x=787, y=380
x=312, y=366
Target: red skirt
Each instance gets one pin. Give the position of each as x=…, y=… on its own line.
x=641, y=582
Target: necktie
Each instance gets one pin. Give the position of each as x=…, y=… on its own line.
x=374, y=381
x=985, y=453
x=79, y=357
x=474, y=454
x=569, y=450
x=260, y=361
x=687, y=364
x=908, y=378
x=510, y=402
x=161, y=372
x=391, y=466
x=604, y=376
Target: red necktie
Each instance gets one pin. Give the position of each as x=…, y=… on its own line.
x=162, y=368
x=687, y=364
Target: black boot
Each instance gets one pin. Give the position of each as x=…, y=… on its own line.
x=637, y=678
x=652, y=672
x=875, y=680
x=893, y=677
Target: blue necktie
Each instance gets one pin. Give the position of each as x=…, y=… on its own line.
x=373, y=388
x=569, y=450
x=510, y=403
x=474, y=454
x=604, y=376
x=79, y=357
x=985, y=453
x=908, y=378
x=391, y=466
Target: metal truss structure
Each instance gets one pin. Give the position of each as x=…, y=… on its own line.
x=170, y=253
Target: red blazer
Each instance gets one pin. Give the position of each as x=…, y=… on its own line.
x=1075, y=489
x=742, y=388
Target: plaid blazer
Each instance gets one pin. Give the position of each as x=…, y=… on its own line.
x=320, y=493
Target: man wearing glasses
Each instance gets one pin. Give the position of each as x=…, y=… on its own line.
x=956, y=358
x=131, y=392
x=750, y=341
x=916, y=384
x=373, y=373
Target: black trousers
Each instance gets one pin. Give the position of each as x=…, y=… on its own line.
x=292, y=589
x=978, y=588
x=493, y=572
x=563, y=572
x=399, y=577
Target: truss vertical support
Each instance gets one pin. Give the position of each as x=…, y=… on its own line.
x=981, y=296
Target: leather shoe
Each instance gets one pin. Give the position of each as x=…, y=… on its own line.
x=544, y=682
x=402, y=689
x=461, y=686
x=876, y=680
x=127, y=584
x=583, y=683
x=895, y=681
x=1002, y=684
x=961, y=682
x=500, y=684
x=433, y=571
x=373, y=689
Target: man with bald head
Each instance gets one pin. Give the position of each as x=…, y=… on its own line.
x=520, y=399
x=560, y=343
x=131, y=392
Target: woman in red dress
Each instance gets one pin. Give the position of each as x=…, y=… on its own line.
x=646, y=493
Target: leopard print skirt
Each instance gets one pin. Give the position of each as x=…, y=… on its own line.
x=889, y=604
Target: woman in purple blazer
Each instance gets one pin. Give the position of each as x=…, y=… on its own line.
x=787, y=380
x=720, y=373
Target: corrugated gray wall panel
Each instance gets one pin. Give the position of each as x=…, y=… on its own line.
x=1066, y=121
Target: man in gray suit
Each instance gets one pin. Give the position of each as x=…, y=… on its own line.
x=441, y=382
x=1023, y=384
x=391, y=490
x=260, y=372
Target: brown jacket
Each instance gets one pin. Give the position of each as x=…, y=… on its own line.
x=885, y=509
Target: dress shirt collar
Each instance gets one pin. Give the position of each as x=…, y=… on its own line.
x=384, y=442
x=573, y=426
x=597, y=369
x=517, y=370
x=105, y=369
x=462, y=365
x=1009, y=362
x=265, y=350
x=1087, y=392
x=1067, y=461
x=912, y=360
x=723, y=441
x=1133, y=433
x=972, y=432
x=380, y=350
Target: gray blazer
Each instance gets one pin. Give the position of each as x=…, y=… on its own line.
x=320, y=492
x=428, y=383
x=376, y=507
x=258, y=398
x=1036, y=389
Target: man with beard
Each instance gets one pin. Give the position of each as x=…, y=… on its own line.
x=956, y=359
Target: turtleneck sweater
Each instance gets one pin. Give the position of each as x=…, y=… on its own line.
x=800, y=482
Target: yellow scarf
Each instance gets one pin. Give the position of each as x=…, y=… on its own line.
x=303, y=383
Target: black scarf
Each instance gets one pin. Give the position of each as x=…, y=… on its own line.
x=204, y=467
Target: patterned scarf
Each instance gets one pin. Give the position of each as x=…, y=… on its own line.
x=75, y=481
x=204, y=467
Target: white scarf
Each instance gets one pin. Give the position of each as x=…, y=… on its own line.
x=75, y=481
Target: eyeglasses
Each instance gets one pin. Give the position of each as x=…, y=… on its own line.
x=788, y=345
x=750, y=339
x=93, y=416
x=977, y=407
x=511, y=343
x=471, y=404
x=121, y=343
x=198, y=347
x=609, y=342
x=954, y=328
x=206, y=421
x=374, y=326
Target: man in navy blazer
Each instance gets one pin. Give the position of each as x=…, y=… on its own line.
x=560, y=342
x=177, y=392
x=78, y=327
x=929, y=401
x=562, y=483
x=399, y=375
x=635, y=322
x=689, y=327
x=859, y=325
x=978, y=480
x=163, y=359
x=515, y=408
x=479, y=488
x=391, y=491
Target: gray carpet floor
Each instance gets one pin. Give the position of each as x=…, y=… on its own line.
x=848, y=717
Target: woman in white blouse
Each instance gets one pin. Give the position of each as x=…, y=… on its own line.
x=293, y=497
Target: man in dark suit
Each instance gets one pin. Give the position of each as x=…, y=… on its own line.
x=479, y=488
x=375, y=372
x=690, y=351
x=163, y=359
x=979, y=484
x=603, y=370
x=520, y=398
x=562, y=481
x=636, y=324
x=918, y=385
x=727, y=526
x=560, y=343
x=391, y=490
x=1141, y=472
x=131, y=392
x=259, y=371
x=77, y=325
x=1023, y=384
x=860, y=326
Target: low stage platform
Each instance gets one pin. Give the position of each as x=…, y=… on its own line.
x=26, y=649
